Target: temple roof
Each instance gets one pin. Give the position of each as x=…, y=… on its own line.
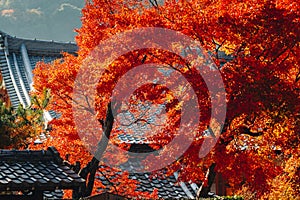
x=39, y=47
x=22, y=170
x=168, y=187
x=18, y=58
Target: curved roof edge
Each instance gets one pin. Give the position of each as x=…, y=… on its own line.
x=35, y=46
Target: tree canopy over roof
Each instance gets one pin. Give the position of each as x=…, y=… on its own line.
x=261, y=82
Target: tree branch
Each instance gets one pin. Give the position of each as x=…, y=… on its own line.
x=89, y=171
x=210, y=177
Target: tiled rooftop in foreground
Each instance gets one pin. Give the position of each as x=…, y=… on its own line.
x=41, y=173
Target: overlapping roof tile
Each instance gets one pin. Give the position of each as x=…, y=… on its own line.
x=22, y=170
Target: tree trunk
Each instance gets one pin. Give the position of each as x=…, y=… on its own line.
x=89, y=171
x=210, y=176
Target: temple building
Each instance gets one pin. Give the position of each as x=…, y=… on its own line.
x=18, y=57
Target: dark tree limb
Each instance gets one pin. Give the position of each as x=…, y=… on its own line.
x=89, y=171
x=210, y=176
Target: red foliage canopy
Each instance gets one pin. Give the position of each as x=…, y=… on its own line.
x=261, y=80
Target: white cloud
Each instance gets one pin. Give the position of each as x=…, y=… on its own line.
x=7, y=12
x=5, y=3
x=62, y=7
x=36, y=11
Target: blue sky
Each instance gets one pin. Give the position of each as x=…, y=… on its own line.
x=41, y=19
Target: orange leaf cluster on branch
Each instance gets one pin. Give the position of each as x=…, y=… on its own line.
x=262, y=79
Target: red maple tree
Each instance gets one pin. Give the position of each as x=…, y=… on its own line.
x=261, y=130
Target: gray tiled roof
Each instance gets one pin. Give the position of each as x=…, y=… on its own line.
x=167, y=186
x=12, y=63
x=56, y=194
x=40, y=47
x=132, y=139
x=139, y=139
x=36, y=170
